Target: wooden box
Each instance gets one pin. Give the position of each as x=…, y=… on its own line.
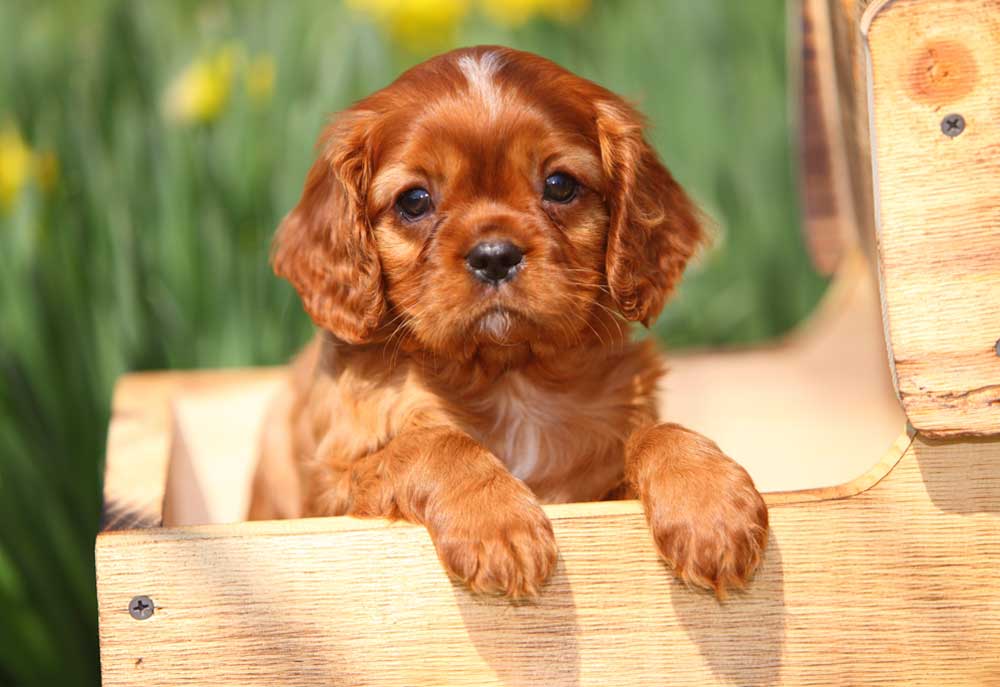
x=883, y=565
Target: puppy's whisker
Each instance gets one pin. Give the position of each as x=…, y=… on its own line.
x=586, y=299
x=598, y=284
x=615, y=317
x=599, y=337
x=399, y=343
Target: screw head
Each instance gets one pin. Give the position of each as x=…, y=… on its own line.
x=141, y=607
x=996, y=348
x=953, y=125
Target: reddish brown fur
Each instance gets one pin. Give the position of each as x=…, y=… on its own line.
x=434, y=398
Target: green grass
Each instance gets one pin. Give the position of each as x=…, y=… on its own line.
x=151, y=249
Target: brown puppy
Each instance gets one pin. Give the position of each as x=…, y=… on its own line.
x=471, y=241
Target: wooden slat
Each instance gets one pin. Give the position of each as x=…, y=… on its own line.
x=135, y=472
x=939, y=206
x=827, y=208
x=215, y=441
x=842, y=78
x=897, y=585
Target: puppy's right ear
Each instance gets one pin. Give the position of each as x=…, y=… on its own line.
x=325, y=246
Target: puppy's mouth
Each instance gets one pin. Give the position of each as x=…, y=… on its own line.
x=498, y=323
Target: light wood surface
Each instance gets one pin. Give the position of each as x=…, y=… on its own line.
x=139, y=436
x=841, y=79
x=215, y=439
x=830, y=219
x=815, y=409
x=939, y=206
x=821, y=209
x=896, y=585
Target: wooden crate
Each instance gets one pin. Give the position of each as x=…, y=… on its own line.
x=883, y=565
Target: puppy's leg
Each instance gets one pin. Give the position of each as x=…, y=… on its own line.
x=708, y=520
x=488, y=528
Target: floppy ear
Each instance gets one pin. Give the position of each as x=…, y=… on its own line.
x=654, y=227
x=325, y=246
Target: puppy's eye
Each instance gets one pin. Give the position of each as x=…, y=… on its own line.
x=414, y=204
x=560, y=188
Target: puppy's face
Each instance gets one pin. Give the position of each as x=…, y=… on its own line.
x=487, y=198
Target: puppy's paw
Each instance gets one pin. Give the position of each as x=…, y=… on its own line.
x=498, y=541
x=708, y=520
x=713, y=539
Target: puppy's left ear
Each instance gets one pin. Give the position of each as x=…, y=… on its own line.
x=654, y=226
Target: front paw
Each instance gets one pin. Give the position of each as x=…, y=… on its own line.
x=497, y=540
x=709, y=522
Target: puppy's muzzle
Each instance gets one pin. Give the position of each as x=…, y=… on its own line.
x=494, y=262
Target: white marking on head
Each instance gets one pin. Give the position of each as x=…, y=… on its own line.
x=480, y=72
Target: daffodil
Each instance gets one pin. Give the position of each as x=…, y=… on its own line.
x=16, y=161
x=20, y=165
x=416, y=24
x=200, y=92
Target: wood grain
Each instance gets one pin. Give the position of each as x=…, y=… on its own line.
x=939, y=206
x=896, y=585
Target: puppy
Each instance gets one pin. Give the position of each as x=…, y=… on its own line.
x=472, y=242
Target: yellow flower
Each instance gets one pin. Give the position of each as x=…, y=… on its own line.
x=16, y=161
x=200, y=92
x=19, y=165
x=416, y=24
x=260, y=78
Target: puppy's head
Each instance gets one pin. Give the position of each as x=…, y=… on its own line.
x=486, y=198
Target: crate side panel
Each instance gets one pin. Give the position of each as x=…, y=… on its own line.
x=896, y=585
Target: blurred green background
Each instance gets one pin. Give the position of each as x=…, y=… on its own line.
x=148, y=150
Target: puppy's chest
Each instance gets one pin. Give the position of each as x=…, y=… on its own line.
x=547, y=435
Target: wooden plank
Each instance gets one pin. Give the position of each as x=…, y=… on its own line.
x=829, y=218
x=842, y=77
x=214, y=450
x=897, y=585
x=939, y=206
x=138, y=448
x=820, y=207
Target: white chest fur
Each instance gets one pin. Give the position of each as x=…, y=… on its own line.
x=542, y=434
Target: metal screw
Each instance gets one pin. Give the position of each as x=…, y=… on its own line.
x=953, y=125
x=996, y=347
x=141, y=607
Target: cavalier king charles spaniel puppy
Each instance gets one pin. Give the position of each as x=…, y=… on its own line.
x=472, y=242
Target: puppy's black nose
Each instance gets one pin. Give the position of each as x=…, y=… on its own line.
x=494, y=262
